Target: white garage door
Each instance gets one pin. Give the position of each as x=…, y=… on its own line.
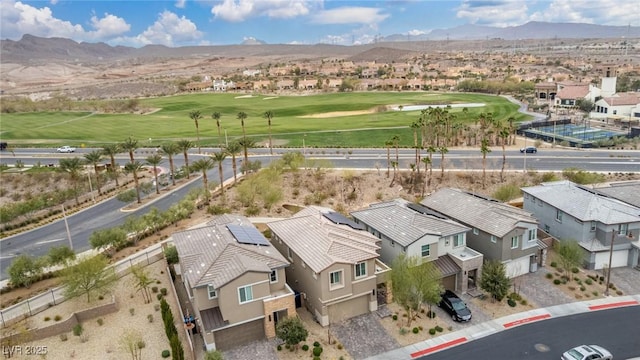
x=619, y=259
x=517, y=267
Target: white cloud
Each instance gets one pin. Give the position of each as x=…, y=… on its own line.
x=180, y=4
x=416, y=32
x=500, y=13
x=241, y=10
x=169, y=30
x=603, y=12
x=349, y=15
x=108, y=27
x=18, y=19
x=53, y=2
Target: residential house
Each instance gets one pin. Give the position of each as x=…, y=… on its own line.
x=334, y=263
x=235, y=279
x=498, y=231
x=604, y=226
x=410, y=229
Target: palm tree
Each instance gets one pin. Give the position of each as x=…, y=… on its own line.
x=504, y=134
x=242, y=116
x=245, y=144
x=134, y=167
x=269, y=115
x=442, y=150
x=204, y=165
x=484, y=149
x=72, y=166
x=388, y=145
x=234, y=149
x=154, y=160
x=427, y=163
x=396, y=144
x=184, y=146
x=111, y=150
x=216, y=116
x=171, y=149
x=195, y=116
x=130, y=145
x=218, y=158
x=94, y=158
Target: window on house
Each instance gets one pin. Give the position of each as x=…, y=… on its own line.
x=594, y=224
x=425, y=250
x=532, y=234
x=493, y=238
x=458, y=240
x=335, y=279
x=622, y=229
x=514, y=242
x=273, y=277
x=361, y=269
x=475, y=231
x=559, y=215
x=547, y=229
x=245, y=294
x=213, y=294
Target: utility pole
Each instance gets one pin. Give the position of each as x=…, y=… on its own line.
x=613, y=236
x=66, y=225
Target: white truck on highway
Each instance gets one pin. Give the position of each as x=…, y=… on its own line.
x=66, y=149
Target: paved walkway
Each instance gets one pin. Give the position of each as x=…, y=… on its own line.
x=364, y=336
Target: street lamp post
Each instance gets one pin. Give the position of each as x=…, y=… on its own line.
x=66, y=225
x=606, y=290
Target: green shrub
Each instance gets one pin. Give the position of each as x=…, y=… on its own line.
x=439, y=328
x=403, y=331
x=279, y=347
x=305, y=347
x=394, y=317
x=77, y=330
x=163, y=291
x=595, y=293
x=154, y=289
x=575, y=270
x=159, y=297
x=515, y=296
x=339, y=346
x=316, y=344
x=557, y=281
x=511, y=302
x=432, y=331
x=100, y=321
x=46, y=318
x=63, y=337
x=588, y=281
x=582, y=288
x=549, y=276
x=317, y=351
x=618, y=292
x=554, y=264
x=523, y=302
x=165, y=353
x=57, y=318
x=415, y=330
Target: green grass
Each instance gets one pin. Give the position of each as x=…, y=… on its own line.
x=172, y=121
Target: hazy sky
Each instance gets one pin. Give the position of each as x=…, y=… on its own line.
x=205, y=22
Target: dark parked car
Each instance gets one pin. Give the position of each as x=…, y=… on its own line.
x=529, y=149
x=455, y=306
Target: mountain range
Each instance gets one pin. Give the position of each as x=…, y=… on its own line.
x=32, y=49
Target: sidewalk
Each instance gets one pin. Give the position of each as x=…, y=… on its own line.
x=494, y=326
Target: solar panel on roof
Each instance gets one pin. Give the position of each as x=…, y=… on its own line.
x=247, y=235
x=340, y=219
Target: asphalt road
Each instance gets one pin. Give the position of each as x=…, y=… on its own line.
x=616, y=330
x=107, y=214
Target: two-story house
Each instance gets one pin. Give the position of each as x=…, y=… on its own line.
x=409, y=228
x=498, y=231
x=604, y=226
x=334, y=263
x=235, y=279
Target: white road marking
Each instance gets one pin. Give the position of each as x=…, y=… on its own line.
x=48, y=241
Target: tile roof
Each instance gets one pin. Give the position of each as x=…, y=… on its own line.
x=584, y=204
x=403, y=225
x=630, y=98
x=573, y=92
x=446, y=265
x=490, y=216
x=210, y=254
x=321, y=243
x=628, y=192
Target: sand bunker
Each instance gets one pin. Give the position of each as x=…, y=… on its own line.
x=243, y=97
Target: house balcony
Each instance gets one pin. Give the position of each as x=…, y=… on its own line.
x=381, y=272
x=464, y=254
